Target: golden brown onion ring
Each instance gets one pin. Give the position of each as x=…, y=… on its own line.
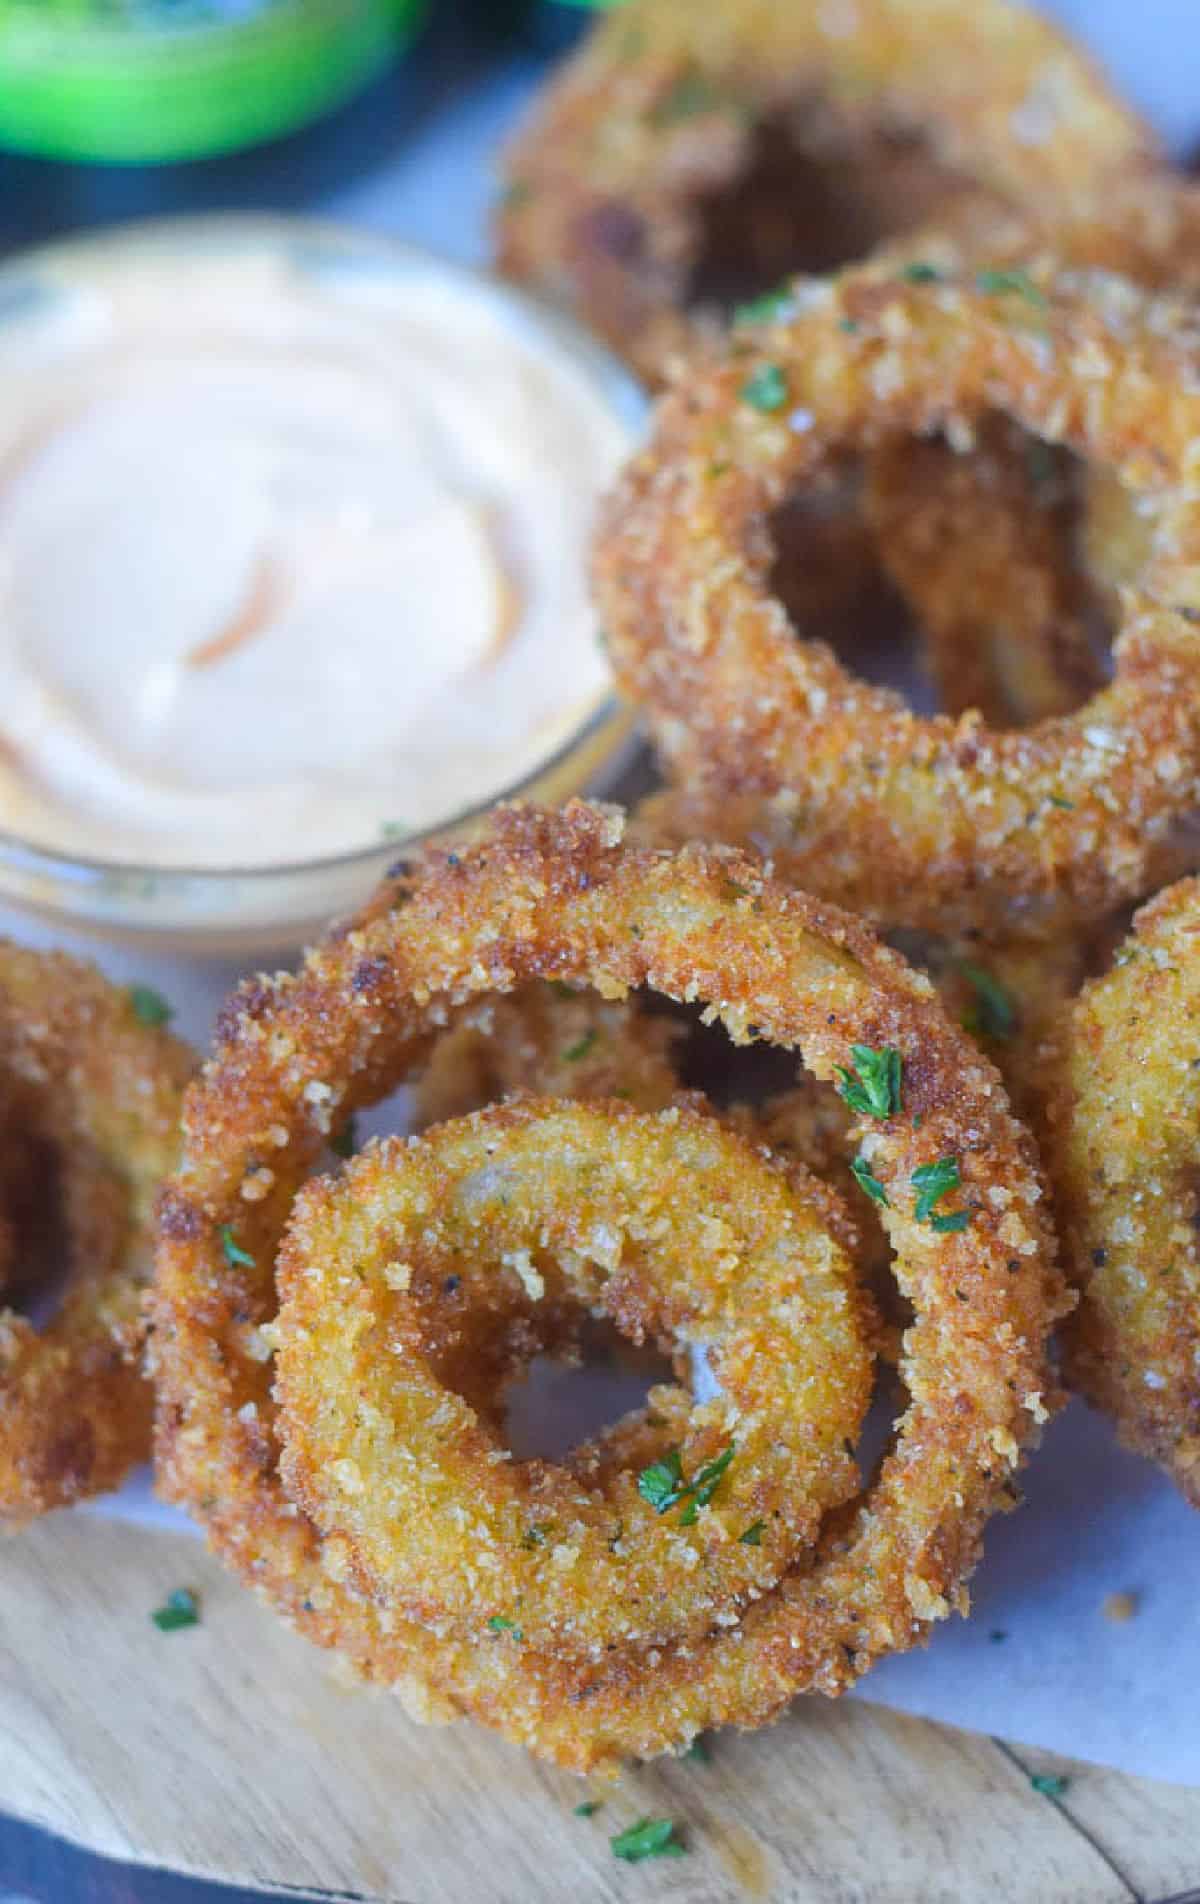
x=1122, y=1141
x=544, y=895
x=94, y=1094
x=897, y=106
x=415, y=1286
x=931, y=822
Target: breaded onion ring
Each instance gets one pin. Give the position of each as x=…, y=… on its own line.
x=931, y=822
x=900, y=104
x=543, y=895
x=1123, y=1126
x=92, y=1096
x=463, y=1253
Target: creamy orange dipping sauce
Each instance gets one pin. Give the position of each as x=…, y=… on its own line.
x=292, y=549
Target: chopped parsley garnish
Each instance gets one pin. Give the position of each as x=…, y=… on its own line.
x=766, y=389
x=876, y=1090
x=919, y=273
x=235, y=1257
x=952, y=1221
x=1018, y=283
x=753, y=1534
x=180, y=1609
x=149, y=1006
x=1050, y=1784
x=649, y=1838
x=705, y=1486
x=589, y=1808
x=691, y=94
x=866, y=1180
x=662, y=1484
x=699, y=1750
x=993, y=1014
x=849, y=325
x=1039, y=461
x=1056, y=800
x=580, y=1049
x=533, y=1537
x=761, y=310
x=345, y=1142
x=932, y=1182
x=498, y=1624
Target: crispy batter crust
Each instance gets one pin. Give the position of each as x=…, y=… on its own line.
x=1122, y=1139
x=414, y=1286
x=99, y=1092
x=544, y=895
x=906, y=102
x=932, y=822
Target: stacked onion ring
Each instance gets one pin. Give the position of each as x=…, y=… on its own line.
x=562, y=897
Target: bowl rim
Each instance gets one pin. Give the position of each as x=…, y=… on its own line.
x=625, y=396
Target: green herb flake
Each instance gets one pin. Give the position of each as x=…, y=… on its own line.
x=993, y=1014
x=1067, y=806
x=950, y=1223
x=699, y=1750
x=764, y=309
x=876, y=1090
x=1014, y=283
x=149, y=1006
x=498, y=1624
x=581, y=1048
x=689, y=96
x=753, y=1534
x=705, y=1486
x=1039, y=461
x=849, y=325
x=589, y=1808
x=660, y=1484
x=534, y=1537
x=649, y=1838
x=866, y=1180
x=766, y=390
x=919, y=273
x=933, y=1182
x=1049, y=1784
x=345, y=1142
x=235, y=1257
x=180, y=1609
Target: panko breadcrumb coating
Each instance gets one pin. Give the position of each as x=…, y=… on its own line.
x=542, y=895
x=1122, y=1129
x=417, y=1284
x=896, y=107
x=769, y=740
x=93, y=1094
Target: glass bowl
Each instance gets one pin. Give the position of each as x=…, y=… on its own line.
x=213, y=911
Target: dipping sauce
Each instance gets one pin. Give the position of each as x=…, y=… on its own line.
x=293, y=545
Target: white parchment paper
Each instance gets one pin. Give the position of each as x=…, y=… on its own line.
x=1039, y=1662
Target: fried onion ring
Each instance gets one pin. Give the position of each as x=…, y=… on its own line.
x=931, y=822
x=1122, y=1137
x=896, y=105
x=92, y=1095
x=543, y=895
x=494, y=1236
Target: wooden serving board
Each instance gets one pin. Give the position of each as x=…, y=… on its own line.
x=231, y=1750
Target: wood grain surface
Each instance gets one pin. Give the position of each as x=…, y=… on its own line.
x=232, y=1750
